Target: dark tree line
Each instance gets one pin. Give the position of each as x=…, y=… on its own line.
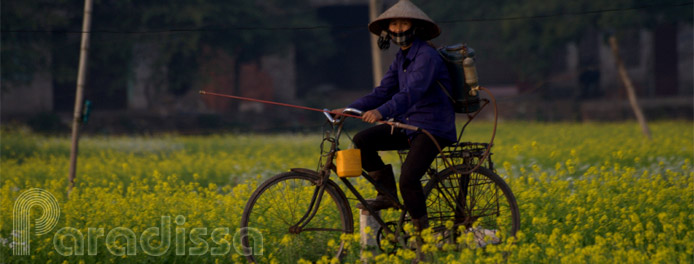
x=529, y=33
x=39, y=35
x=44, y=35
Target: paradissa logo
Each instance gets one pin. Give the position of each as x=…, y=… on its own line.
x=21, y=213
x=154, y=241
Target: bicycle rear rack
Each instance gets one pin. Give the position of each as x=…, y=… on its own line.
x=465, y=153
x=460, y=153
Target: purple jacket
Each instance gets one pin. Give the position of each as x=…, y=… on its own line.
x=410, y=94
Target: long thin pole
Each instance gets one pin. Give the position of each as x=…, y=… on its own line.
x=79, y=96
x=273, y=103
x=374, y=9
x=629, y=87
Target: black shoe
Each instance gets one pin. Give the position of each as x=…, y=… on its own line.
x=381, y=202
x=385, y=178
x=420, y=223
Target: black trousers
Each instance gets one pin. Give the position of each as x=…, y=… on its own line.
x=422, y=151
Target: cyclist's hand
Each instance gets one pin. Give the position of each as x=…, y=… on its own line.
x=372, y=116
x=334, y=112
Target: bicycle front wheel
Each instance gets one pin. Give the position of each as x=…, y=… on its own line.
x=280, y=214
x=480, y=203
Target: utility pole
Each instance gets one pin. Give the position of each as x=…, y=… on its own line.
x=79, y=96
x=374, y=9
x=629, y=87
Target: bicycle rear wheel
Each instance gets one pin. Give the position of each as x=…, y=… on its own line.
x=280, y=204
x=481, y=202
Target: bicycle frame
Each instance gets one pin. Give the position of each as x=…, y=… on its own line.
x=326, y=169
x=460, y=188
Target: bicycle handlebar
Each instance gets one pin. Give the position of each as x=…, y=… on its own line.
x=327, y=114
x=356, y=113
x=348, y=112
x=353, y=110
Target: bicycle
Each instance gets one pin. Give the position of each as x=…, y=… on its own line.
x=290, y=211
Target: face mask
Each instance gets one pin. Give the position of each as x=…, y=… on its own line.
x=402, y=39
x=384, y=40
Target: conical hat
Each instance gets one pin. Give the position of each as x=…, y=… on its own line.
x=406, y=9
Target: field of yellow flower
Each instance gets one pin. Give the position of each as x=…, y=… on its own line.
x=591, y=192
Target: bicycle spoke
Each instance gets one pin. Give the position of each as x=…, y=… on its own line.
x=280, y=199
x=450, y=198
x=293, y=229
x=484, y=207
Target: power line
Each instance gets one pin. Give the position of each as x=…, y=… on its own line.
x=327, y=27
x=591, y=12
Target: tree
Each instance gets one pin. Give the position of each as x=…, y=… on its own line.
x=616, y=16
x=176, y=30
x=527, y=33
x=532, y=31
x=26, y=44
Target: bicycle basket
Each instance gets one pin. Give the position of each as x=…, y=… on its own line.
x=461, y=153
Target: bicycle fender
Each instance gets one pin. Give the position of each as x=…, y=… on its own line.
x=305, y=171
x=330, y=183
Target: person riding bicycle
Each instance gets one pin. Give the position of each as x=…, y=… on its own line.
x=408, y=93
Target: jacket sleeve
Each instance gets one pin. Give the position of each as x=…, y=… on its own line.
x=419, y=77
x=382, y=93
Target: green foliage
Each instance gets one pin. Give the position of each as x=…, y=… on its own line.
x=594, y=192
x=46, y=123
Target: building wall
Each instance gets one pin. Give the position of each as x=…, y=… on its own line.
x=685, y=51
x=36, y=97
x=142, y=70
x=639, y=53
x=282, y=70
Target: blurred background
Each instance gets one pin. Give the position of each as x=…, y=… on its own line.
x=545, y=60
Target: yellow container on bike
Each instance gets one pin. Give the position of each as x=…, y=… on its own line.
x=348, y=163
